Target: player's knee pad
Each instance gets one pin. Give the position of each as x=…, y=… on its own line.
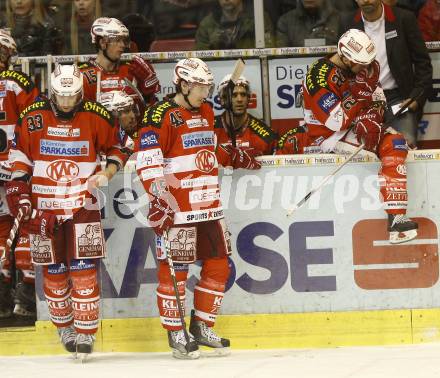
x=85, y=295
x=56, y=286
x=23, y=260
x=166, y=296
x=209, y=291
x=392, y=176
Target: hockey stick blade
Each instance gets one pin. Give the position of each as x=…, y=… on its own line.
x=326, y=178
x=238, y=70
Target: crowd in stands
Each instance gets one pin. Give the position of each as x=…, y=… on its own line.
x=57, y=27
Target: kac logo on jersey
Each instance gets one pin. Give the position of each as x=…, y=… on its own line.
x=200, y=139
x=62, y=171
x=149, y=139
x=327, y=101
x=56, y=148
x=205, y=161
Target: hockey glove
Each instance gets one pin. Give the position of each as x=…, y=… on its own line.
x=148, y=83
x=244, y=157
x=368, y=128
x=18, y=196
x=365, y=82
x=42, y=223
x=160, y=214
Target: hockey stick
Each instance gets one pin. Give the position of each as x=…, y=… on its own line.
x=332, y=174
x=129, y=84
x=15, y=227
x=236, y=73
x=176, y=290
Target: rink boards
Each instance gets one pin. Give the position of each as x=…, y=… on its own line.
x=326, y=276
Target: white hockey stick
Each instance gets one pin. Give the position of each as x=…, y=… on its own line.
x=15, y=227
x=326, y=178
x=236, y=73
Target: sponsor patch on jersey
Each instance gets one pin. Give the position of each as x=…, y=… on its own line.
x=327, y=101
x=176, y=119
x=197, y=122
x=207, y=195
x=110, y=83
x=200, y=139
x=56, y=148
x=2, y=88
x=400, y=144
x=148, y=139
x=63, y=132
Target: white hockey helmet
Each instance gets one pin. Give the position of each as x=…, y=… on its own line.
x=8, y=46
x=193, y=71
x=66, y=85
x=357, y=47
x=116, y=101
x=241, y=81
x=109, y=28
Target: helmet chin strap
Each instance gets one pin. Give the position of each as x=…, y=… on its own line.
x=114, y=61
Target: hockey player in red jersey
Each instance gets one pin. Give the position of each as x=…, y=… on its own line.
x=249, y=132
x=107, y=72
x=17, y=91
x=178, y=167
x=55, y=164
x=343, y=107
x=127, y=113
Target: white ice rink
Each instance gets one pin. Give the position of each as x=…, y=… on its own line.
x=421, y=361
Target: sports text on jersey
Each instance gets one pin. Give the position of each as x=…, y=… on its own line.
x=98, y=109
x=56, y=148
x=34, y=106
x=16, y=76
x=203, y=138
x=154, y=115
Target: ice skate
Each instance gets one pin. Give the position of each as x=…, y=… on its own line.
x=179, y=347
x=206, y=336
x=68, y=338
x=25, y=300
x=84, y=345
x=401, y=228
x=6, y=302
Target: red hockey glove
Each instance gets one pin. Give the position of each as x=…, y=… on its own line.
x=160, y=214
x=244, y=157
x=42, y=223
x=148, y=83
x=18, y=196
x=368, y=128
x=365, y=82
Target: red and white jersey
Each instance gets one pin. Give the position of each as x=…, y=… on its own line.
x=329, y=108
x=255, y=134
x=176, y=146
x=17, y=91
x=60, y=156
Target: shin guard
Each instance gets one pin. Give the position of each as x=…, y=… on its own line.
x=166, y=297
x=392, y=176
x=209, y=291
x=85, y=295
x=56, y=287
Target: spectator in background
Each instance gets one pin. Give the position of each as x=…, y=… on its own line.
x=312, y=23
x=276, y=8
x=405, y=64
x=231, y=26
x=84, y=12
x=344, y=5
x=31, y=27
x=429, y=20
x=141, y=31
x=411, y=5
x=175, y=18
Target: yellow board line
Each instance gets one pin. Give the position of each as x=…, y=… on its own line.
x=253, y=331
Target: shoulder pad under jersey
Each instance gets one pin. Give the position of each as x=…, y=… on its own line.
x=318, y=75
x=96, y=108
x=261, y=129
x=23, y=80
x=37, y=105
x=154, y=115
x=297, y=130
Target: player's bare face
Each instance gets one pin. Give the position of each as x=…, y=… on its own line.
x=116, y=47
x=127, y=120
x=369, y=6
x=240, y=100
x=22, y=7
x=84, y=8
x=67, y=103
x=198, y=93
